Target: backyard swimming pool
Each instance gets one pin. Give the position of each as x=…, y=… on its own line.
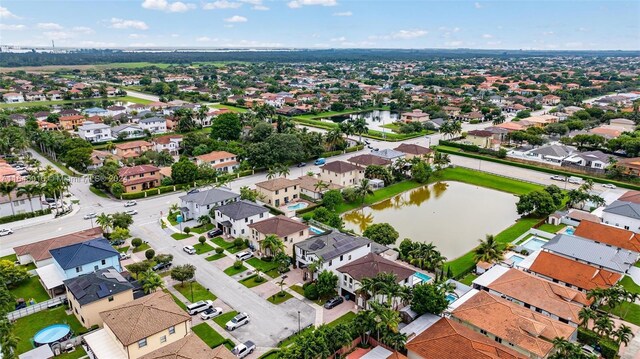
x=315, y=230
x=423, y=277
x=533, y=244
x=451, y=298
x=569, y=230
x=52, y=334
x=516, y=258
x=297, y=206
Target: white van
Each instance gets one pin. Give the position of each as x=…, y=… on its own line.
x=244, y=255
x=197, y=307
x=575, y=180
x=189, y=249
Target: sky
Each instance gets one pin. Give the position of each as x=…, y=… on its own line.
x=506, y=24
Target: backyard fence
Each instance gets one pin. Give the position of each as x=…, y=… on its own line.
x=38, y=307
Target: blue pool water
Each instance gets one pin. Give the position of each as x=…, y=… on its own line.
x=569, y=231
x=297, y=206
x=51, y=334
x=534, y=243
x=423, y=277
x=451, y=298
x=315, y=230
x=516, y=259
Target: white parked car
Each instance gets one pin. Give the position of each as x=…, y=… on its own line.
x=211, y=313
x=124, y=256
x=244, y=349
x=90, y=215
x=130, y=203
x=5, y=232
x=131, y=212
x=237, y=321
x=189, y=249
x=558, y=178
x=609, y=185
x=244, y=255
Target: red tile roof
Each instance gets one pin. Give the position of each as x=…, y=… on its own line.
x=572, y=272
x=603, y=233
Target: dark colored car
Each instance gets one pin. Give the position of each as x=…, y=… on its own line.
x=161, y=266
x=333, y=302
x=214, y=232
x=117, y=242
x=302, y=164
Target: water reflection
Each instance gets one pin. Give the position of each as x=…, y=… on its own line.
x=375, y=119
x=452, y=215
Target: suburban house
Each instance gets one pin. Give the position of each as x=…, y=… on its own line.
x=132, y=149
x=75, y=260
x=351, y=274
x=17, y=204
x=154, y=125
x=13, y=97
x=553, y=153
x=169, y=143
x=190, y=347
x=95, y=132
x=288, y=230
x=411, y=150
x=592, y=253
x=127, y=131
x=631, y=166
x=591, y=159
x=367, y=159
x=313, y=187
x=70, y=123
x=612, y=236
x=415, y=115
x=551, y=100
x=139, y=178
x=92, y=293
x=448, y=339
x=545, y=297
x=139, y=327
x=623, y=214
x=194, y=205
x=341, y=173
x=38, y=252
x=480, y=138
x=334, y=249
x=512, y=325
x=235, y=217
x=220, y=160
x=278, y=191
x=389, y=154
x=570, y=273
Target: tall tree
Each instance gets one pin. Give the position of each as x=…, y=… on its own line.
x=6, y=189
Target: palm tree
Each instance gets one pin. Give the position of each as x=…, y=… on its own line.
x=488, y=251
x=363, y=189
x=585, y=315
x=174, y=207
x=396, y=341
x=440, y=160
x=272, y=245
x=151, y=281
x=366, y=291
x=204, y=220
x=6, y=188
x=320, y=186
x=386, y=319
x=564, y=349
x=603, y=325
x=105, y=221
x=283, y=171
x=314, y=266
x=30, y=190
x=360, y=127
x=110, y=146
x=623, y=334
x=271, y=173
x=9, y=343
x=333, y=137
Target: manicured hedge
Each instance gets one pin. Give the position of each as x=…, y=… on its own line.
x=21, y=216
x=154, y=191
x=354, y=148
x=331, y=153
x=589, y=337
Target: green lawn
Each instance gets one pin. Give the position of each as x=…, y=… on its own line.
x=630, y=285
x=637, y=264
x=279, y=298
x=232, y=108
x=234, y=249
x=379, y=195
x=202, y=248
x=134, y=100
x=298, y=289
x=629, y=312
x=551, y=228
x=123, y=249
x=25, y=328
x=31, y=288
x=271, y=354
x=487, y=180
x=207, y=227
x=208, y=335
x=220, y=242
x=199, y=292
x=143, y=247
x=76, y=354
x=285, y=343
x=180, y=236
x=223, y=318
x=10, y=257
x=467, y=279
x=345, y=318
x=261, y=265
x=252, y=281
x=178, y=301
x=98, y=192
x=233, y=271
x=215, y=257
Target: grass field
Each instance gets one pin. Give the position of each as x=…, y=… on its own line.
x=202, y=229
x=253, y=281
x=628, y=284
x=25, y=328
x=231, y=108
x=31, y=288
x=231, y=271
x=199, y=292
x=180, y=236
x=298, y=289
x=65, y=102
x=143, y=247
x=278, y=298
x=629, y=312
x=347, y=317
x=220, y=242
x=202, y=248
x=551, y=228
x=467, y=279
x=208, y=335
x=215, y=257
x=223, y=318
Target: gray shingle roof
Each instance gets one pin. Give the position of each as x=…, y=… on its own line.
x=618, y=260
x=333, y=244
x=210, y=196
x=553, y=150
x=388, y=154
x=83, y=253
x=152, y=119
x=626, y=209
x=241, y=209
x=95, y=286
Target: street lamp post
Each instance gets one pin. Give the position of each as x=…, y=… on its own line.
x=298, y=321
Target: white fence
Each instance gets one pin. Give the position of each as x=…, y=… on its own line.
x=17, y=314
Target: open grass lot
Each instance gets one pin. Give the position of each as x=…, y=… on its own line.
x=175, y=299
x=628, y=284
x=487, y=180
x=215, y=257
x=65, y=102
x=134, y=100
x=199, y=292
x=223, y=318
x=30, y=288
x=233, y=271
x=629, y=312
x=202, y=248
x=131, y=65
x=231, y=108
x=253, y=281
x=208, y=335
x=551, y=228
x=346, y=318
x=180, y=236
x=278, y=298
x=143, y=247
x=25, y=328
x=220, y=242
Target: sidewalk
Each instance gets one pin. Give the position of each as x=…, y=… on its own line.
x=29, y=222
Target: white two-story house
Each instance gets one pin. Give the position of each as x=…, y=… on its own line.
x=155, y=125
x=95, y=132
x=194, y=205
x=220, y=160
x=169, y=143
x=234, y=218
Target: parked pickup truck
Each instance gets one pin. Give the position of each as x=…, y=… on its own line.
x=244, y=349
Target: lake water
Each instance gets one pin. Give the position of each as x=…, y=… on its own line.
x=374, y=119
x=452, y=215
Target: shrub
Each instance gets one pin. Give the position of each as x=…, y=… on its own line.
x=136, y=242
x=307, y=217
x=259, y=279
x=21, y=216
x=311, y=292
x=202, y=239
x=608, y=349
x=149, y=254
x=219, y=250
x=237, y=264
x=238, y=242
x=187, y=230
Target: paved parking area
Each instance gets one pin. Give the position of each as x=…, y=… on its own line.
x=329, y=315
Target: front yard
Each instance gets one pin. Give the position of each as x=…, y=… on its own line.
x=231, y=271
x=201, y=229
x=279, y=297
x=253, y=281
x=25, y=328
x=199, y=292
x=208, y=335
x=223, y=318
x=141, y=248
x=269, y=268
x=180, y=236
x=215, y=257
x=202, y=248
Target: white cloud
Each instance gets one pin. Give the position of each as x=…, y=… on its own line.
x=137, y=36
x=257, y=5
x=477, y=5
x=494, y=43
x=205, y=39
x=300, y=3
x=345, y=13
x=408, y=34
x=236, y=18
x=83, y=30
x=487, y=36
x=583, y=29
x=49, y=26
x=548, y=33
x=6, y=14
x=453, y=43
x=221, y=4
x=164, y=5
x=117, y=23
x=175, y=35
x=58, y=35
x=338, y=39
x=7, y=27
x=259, y=8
